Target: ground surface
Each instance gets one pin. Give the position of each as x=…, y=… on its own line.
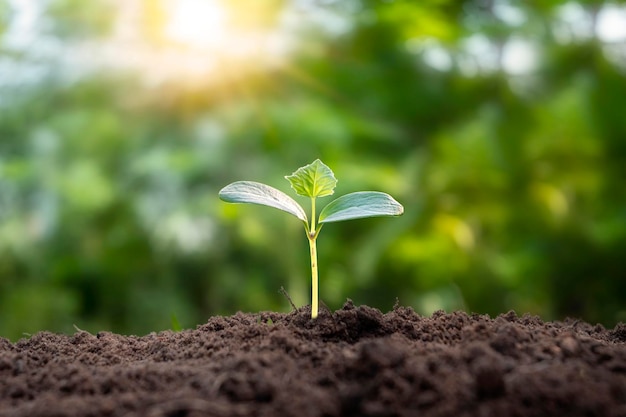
x=355, y=362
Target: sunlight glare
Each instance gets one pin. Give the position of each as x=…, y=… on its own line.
x=198, y=23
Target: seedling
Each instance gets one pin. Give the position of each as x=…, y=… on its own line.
x=313, y=181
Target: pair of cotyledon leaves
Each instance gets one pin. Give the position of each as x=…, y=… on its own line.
x=314, y=180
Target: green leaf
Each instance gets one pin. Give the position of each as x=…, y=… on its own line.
x=359, y=205
x=257, y=193
x=313, y=180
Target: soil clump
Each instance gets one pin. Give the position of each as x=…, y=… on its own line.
x=356, y=361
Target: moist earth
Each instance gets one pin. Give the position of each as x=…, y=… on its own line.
x=356, y=361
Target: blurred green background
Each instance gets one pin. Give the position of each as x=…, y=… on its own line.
x=500, y=125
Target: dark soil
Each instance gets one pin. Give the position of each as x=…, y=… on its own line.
x=355, y=362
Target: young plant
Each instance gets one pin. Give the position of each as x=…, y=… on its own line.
x=313, y=181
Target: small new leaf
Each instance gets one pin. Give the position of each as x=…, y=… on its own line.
x=257, y=193
x=313, y=180
x=360, y=205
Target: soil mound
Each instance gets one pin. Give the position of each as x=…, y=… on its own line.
x=354, y=362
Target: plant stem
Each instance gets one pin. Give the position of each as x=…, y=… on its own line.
x=314, y=287
x=312, y=236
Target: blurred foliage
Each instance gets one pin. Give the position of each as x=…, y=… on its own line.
x=510, y=166
x=5, y=14
x=80, y=18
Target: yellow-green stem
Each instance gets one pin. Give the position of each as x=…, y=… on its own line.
x=314, y=287
x=312, y=235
